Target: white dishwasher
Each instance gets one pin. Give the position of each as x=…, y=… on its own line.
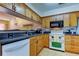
x=18, y=48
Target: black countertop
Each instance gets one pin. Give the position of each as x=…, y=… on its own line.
x=11, y=40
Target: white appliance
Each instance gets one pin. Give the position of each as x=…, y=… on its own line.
x=19, y=48
x=56, y=40
x=77, y=32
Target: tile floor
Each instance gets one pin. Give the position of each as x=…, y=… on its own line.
x=48, y=52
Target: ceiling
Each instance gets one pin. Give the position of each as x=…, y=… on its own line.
x=41, y=8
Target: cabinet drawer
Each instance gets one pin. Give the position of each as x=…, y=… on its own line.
x=32, y=40
x=33, y=49
x=75, y=49
x=67, y=38
x=76, y=43
x=68, y=43
x=68, y=48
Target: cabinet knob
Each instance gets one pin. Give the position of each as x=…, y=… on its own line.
x=52, y=36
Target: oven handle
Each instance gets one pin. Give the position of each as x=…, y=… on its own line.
x=16, y=48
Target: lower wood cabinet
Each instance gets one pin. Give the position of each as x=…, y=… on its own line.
x=72, y=43
x=46, y=40
x=33, y=48
x=37, y=43
x=75, y=49
x=67, y=43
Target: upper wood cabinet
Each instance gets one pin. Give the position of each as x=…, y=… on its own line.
x=73, y=19
x=46, y=22
x=70, y=19
x=20, y=8
x=34, y=16
x=8, y=5
x=66, y=20
x=29, y=13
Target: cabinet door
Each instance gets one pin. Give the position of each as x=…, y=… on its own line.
x=72, y=44
x=33, y=46
x=75, y=49
x=76, y=41
x=44, y=22
x=68, y=42
x=46, y=40
x=33, y=49
x=73, y=19
x=68, y=48
x=39, y=44
x=66, y=20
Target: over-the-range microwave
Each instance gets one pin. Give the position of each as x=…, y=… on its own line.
x=56, y=24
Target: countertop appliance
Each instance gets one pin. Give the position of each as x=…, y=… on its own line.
x=56, y=24
x=19, y=48
x=56, y=40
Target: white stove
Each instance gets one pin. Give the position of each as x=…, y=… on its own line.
x=56, y=40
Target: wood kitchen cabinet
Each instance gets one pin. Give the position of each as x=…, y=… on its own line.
x=33, y=49
x=39, y=18
x=46, y=40
x=43, y=23
x=68, y=43
x=36, y=45
x=29, y=13
x=73, y=19
x=72, y=43
x=66, y=20
x=33, y=46
x=75, y=44
x=39, y=44
x=8, y=5
x=46, y=22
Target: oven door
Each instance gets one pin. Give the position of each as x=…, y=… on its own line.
x=56, y=42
